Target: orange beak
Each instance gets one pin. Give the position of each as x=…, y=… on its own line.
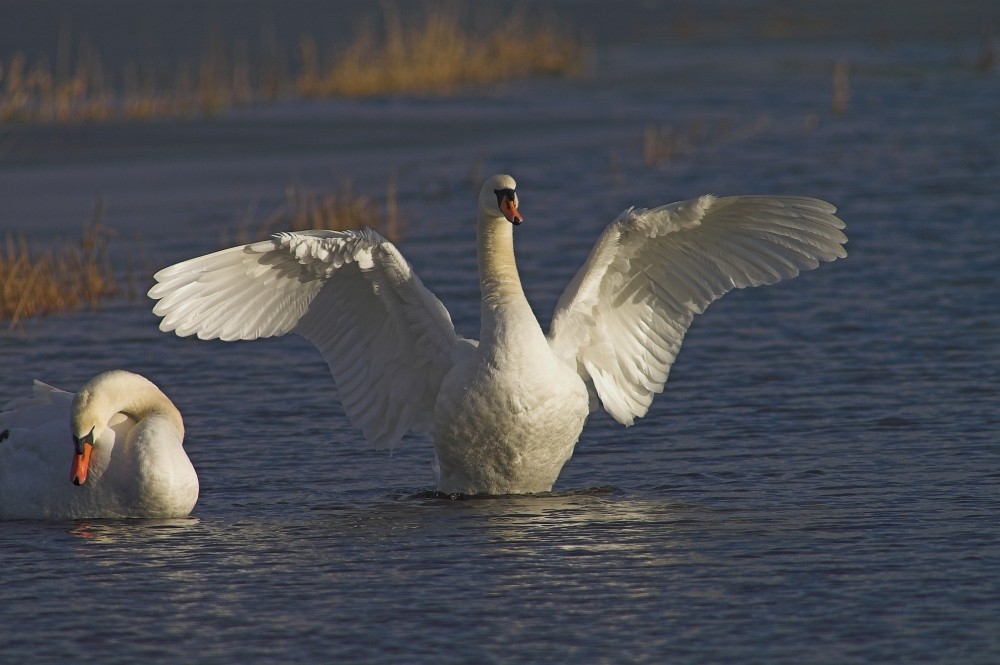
x=509, y=211
x=81, y=464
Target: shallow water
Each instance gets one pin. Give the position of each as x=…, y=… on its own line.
x=819, y=483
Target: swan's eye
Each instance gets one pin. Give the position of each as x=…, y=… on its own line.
x=86, y=438
x=505, y=194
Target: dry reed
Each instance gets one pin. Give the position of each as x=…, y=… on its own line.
x=87, y=92
x=35, y=283
x=661, y=144
x=436, y=55
x=306, y=209
x=841, y=88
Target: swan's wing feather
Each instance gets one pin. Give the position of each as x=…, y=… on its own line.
x=623, y=317
x=257, y=290
x=46, y=403
x=386, y=338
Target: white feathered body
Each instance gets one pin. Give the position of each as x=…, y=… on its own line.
x=508, y=416
x=137, y=469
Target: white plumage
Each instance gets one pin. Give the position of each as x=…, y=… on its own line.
x=137, y=468
x=506, y=411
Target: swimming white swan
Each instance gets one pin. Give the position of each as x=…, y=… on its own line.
x=505, y=411
x=119, y=440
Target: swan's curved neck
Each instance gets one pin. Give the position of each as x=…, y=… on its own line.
x=122, y=392
x=151, y=401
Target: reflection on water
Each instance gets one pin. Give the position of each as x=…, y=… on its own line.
x=592, y=521
x=111, y=532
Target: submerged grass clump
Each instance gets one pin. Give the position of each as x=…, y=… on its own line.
x=49, y=281
x=306, y=209
x=431, y=54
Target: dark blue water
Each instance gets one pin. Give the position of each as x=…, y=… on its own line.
x=819, y=483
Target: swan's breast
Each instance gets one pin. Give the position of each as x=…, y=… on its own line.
x=153, y=470
x=507, y=424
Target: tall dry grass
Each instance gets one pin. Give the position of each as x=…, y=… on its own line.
x=86, y=91
x=436, y=54
x=70, y=276
x=38, y=282
x=305, y=209
x=841, y=88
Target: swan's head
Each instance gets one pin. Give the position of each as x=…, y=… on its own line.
x=498, y=198
x=105, y=399
x=84, y=423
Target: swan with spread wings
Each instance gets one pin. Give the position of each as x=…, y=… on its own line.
x=507, y=410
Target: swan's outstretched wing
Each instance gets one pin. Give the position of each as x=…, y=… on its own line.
x=387, y=339
x=623, y=317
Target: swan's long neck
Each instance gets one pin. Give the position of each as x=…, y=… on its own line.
x=498, y=278
x=504, y=303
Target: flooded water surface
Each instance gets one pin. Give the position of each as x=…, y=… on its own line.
x=819, y=482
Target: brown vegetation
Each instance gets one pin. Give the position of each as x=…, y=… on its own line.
x=305, y=209
x=661, y=144
x=38, y=282
x=34, y=283
x=436, y=55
